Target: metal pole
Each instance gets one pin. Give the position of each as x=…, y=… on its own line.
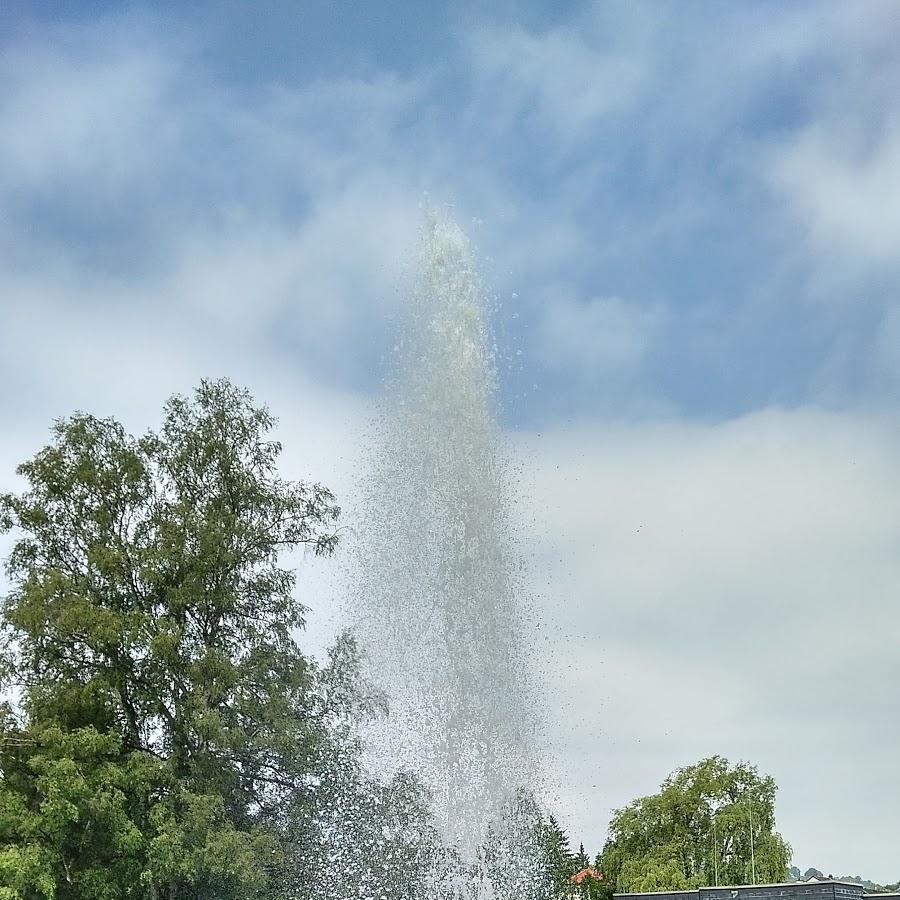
x=752, y=854
x=715, y=852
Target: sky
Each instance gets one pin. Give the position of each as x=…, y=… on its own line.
x=687, y=218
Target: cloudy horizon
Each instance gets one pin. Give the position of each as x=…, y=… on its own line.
x=687, y=220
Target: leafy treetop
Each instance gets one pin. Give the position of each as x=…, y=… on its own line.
x=166, y=707
x=710, y=823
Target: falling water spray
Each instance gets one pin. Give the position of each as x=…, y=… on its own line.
x=439, y=589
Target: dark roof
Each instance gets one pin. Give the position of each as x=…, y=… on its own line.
x=737, y=887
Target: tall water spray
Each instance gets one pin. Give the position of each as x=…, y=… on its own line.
x=439, y=589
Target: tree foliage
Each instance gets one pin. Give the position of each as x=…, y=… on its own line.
x=710, y=823
x=166, y=709
x=352, y=835
x=561, y=863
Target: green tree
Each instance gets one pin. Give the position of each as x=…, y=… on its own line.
x=710, y=823
x=560, y=861
x=600, y=888
x=524, y=854
x=166, y=709
x=70, y=809
x=588, y=880
x=581, y=860
x=347, y=834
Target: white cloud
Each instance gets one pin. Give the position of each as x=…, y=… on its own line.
x=845, y=188
x=114, y=135
x=839, y=173
x=564, y=78
x=121, y=118
x=344, y=261
x=68, y=117
x=602, y=336
x=885, y=360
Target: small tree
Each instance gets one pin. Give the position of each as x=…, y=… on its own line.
x=581, y=860
x=709, y=822
x=559, y=857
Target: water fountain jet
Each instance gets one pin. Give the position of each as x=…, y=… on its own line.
x=439, y=585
